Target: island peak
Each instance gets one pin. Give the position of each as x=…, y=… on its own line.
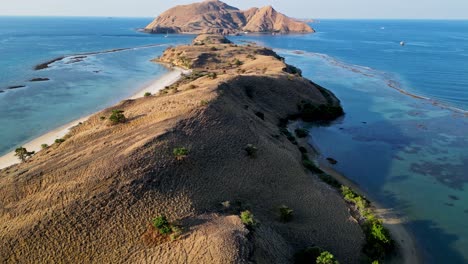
x=214, y=16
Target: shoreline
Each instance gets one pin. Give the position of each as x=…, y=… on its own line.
x=390, y=83
x=407, y=250
x=49, y=138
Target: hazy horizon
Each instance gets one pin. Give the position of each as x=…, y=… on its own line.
x=332, y=9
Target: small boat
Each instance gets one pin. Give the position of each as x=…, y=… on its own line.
x=167, y=34
x=402, y=43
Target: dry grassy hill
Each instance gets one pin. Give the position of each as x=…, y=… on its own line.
x=91, y=198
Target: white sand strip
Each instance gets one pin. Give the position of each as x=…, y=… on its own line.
x=50, y=137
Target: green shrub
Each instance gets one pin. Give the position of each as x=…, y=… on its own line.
x=147, y=94
x=213, y=75
x=286, y=213
x=310, y=165
x=23, y=154
x=204, y=102
x=165, y=228
x=44, y=146
x=237, y=62
x=59, y=140
x=329, y=180
x=301, y=132
x=260, y=115
x=378, y=244
x=176, y=232
x=326, y=258
x=251, y=150
x=117, y=117
x=303, y=150
x=180, y=153
x=247, y=218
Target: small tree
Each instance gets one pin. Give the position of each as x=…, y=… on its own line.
x=117, y=117
x=251, y=150
x=23, y=154
x=162, y=225
x=286, y=213
x=180, y=153
x=301, y=132
x=247, y=218
x=326, y=258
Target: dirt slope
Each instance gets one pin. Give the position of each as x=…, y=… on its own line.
x=91, y=198
x=213, y=16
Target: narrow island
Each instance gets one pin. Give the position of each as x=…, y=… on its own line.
x=208, y=170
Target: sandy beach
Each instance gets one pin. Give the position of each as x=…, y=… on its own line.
x=50, y=137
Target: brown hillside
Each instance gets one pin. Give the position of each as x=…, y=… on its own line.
x=91, y=198
x=214, y=16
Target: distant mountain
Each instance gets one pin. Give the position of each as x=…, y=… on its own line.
x=214, y=16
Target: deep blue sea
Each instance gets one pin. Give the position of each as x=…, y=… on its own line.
x=410, y=153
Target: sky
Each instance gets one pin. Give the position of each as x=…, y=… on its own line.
x=410, y=9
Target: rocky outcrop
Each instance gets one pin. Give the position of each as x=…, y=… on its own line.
x=214, y=16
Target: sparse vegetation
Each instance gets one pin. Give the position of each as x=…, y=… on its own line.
x=252, y=57
x=251, y=150
x=286, y=213
x=301, y=132
x=237, y=62
x=162, y=225
x=165, y=228
x=213, y=75
x=378, y=244
x=204, y=102
x=289, y=135
x=23, y=154
x=147, y=94
x=59, y=140
x=303, y=150
x=247, y=218
x=326, y=258
x=260, y=115
x=117, y=117
x=44, y=146
x=102, y=118
x=180, y=153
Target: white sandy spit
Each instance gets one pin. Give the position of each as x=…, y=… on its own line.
x=50, y=137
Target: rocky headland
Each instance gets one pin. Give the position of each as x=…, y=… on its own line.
x=214, y=16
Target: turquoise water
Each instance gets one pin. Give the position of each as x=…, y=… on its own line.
x=409, y=154
x=75, y=89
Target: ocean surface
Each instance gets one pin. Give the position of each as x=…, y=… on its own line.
x=403, y=139
x=77, y=87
